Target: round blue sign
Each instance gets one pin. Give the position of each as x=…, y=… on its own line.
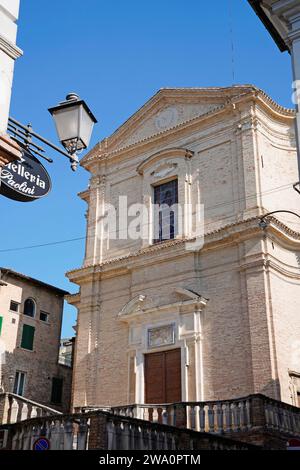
x=41, y=444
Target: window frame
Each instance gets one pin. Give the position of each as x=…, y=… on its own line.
x=18, y=374
x=42, y=312
x=17, y=305
x=34, y=308
x=32, y=328
x=174, y=232
x=61, y=381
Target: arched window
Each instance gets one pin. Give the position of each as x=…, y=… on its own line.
x=29, y=308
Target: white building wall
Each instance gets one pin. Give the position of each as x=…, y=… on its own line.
x=9, y=52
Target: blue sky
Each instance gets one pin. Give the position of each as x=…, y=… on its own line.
x=116, y=54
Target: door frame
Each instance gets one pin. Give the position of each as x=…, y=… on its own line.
x=149, y=353
x=140, y=369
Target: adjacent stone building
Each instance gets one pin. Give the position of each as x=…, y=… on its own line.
x=30, y=327
x=180, y=318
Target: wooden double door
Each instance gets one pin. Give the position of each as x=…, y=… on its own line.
x=163, y=377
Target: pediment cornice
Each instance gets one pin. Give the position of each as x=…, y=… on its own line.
x=224, y=99
x=173, y=152
x=143, y=305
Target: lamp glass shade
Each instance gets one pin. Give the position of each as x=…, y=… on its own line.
x=85, y=127
x=74, y=123
x=67, y=122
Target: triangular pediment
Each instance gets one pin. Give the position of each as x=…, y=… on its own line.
x=165, y=118
x=168, y=109
x=173, y=108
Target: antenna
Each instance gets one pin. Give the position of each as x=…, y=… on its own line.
x=230, y=19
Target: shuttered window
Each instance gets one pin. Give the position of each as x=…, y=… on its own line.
x=1, y=321
x=57, y=388
x=27, y=337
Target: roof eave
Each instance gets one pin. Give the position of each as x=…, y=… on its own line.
x=256, y=5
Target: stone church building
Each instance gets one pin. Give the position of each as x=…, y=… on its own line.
x=165, y=319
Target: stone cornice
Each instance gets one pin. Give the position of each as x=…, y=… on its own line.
x=265, y=264
x=9, y=48
x=230, y=234
x=168, y=152
x=73, y=299
x=138, y=306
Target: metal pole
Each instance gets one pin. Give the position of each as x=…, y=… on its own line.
x=72, y=158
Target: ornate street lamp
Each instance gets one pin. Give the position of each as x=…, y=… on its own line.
x=74, y=123
x=263, y=223
x=27, y=180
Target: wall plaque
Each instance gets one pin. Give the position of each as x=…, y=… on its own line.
x=161, y=336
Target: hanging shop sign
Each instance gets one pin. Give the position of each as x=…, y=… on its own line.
x=25, y=180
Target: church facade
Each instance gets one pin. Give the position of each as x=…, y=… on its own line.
x=199, y=302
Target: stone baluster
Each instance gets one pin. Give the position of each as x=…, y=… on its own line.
x=171, y=415
x=248, y=414
x=166, y=443
x=21, y=439
x=296, y=420
x=280, y=418
x=14, y=410
x=146, y=414
x=275, y=416
x=292, y=422
x=155, y=415
x=24, y=412
x=211, y=417
x=132, y=434
x=56, y=435
x=27, y=438
x=68, y=435
x=137, y=439
x=228, y=417
x=155, y=439
x=241, y=408
x=161, y=440
x=15, y=440
x=142, y=440
x=122, y=432
x=164, y=415
x=236, y=417
x=220, y=427
x=33, y=413
x=82, y=434
x=192, y=417
x=202, y=417
x=119, y=430
x=111, y=435
x=286, y=419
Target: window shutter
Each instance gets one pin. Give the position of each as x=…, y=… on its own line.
x=1, y=321
x=27, y=337
x=57, y=387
